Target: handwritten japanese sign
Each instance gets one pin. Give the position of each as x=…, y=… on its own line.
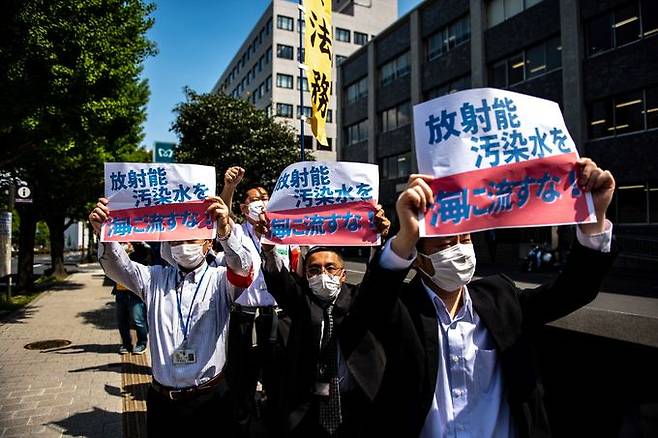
x=318, y=55
x=330, y=203
x=501, y=159
x=158, y=201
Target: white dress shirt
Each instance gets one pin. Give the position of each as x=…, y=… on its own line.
x=162, y=287
x=469, y=398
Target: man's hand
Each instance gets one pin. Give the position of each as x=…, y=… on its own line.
x=382, y=224
x=99, y=214
x=233, y=176
x=218, y=211
x=416, y=199
x=263, y=229
x=601, y=184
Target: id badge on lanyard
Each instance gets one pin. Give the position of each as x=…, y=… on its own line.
x=184, y=355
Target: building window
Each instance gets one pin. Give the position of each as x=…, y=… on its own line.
x=306, y=111
x=261, y=90
x=302, y=83
x=285, y=23
x=397, y=166
x=300, y=55
x=394, y=69
x=360, y=39
x=340, y=59
x=308, y=142
x=268, y=55
x=284, y=110
x=621, y=26
x=284, y=51
x=330, y=116
x=357, y=90
x=624, y=113
x=459, y=84
x=301, y=26
x=328, y=147
x=283, y=80
x=268, y=110
x=448, y=37
x=396, y=117
x=501, y=10
x=268, y=83
x=268, y=26
x=631, y=204
x=356, y=133
x=532, y=62
x=342, y=35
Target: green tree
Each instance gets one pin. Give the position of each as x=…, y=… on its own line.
x=70, y=99
x=221, y=131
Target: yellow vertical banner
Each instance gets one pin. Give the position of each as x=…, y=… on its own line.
x=318, y=55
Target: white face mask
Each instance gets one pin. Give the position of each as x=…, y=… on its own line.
x=188, y=255
x=325, y=286
x=255, y=209
x=453, y=267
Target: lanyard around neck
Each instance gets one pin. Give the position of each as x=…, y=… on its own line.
x=185, y=323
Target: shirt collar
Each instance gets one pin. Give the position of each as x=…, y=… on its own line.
x=442, y=311
x=193, y=275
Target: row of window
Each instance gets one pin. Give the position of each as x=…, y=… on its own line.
x=501, y=10
x=396, y=68
x=357, y=90
x=286, y=110
x=251, y=50
x=288, y=23
x=260, y=91
x=448, y=37
x=356, y=133
x=396, y=117
x=285, y=51
x=635, y=204
x=397, y=166
x=459, y=84
x=257, y=68
x=628, y=112
x=285, y=81
x=534, y=61
x=622, y=26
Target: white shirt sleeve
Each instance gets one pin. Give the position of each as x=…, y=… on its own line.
x=118, y=266
x=597, y=242
x=390, y=260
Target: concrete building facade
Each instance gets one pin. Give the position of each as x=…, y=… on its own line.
x=596, y=58
x=265, y=70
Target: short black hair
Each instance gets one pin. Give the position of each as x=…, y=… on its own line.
x=317, y=249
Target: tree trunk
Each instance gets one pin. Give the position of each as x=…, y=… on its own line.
x=56, y=228
x=91, y=247
x=26, y=235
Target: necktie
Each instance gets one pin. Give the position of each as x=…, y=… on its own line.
x=329, y=406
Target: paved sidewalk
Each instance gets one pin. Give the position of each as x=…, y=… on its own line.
x=68, y=391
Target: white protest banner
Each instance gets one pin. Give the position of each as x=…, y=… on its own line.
x=158, y=201
x=325, y=203
x=501, y=159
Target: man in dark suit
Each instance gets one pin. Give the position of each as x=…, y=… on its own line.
x=333, y=365
x=459, y=353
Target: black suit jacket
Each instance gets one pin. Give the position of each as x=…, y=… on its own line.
x=364, y=355
x=404, y=319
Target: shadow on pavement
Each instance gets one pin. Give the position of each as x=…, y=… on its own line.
x=116, y=367
x=18, y=317
x=85, y=348
x=97, y=423
x=103, y=318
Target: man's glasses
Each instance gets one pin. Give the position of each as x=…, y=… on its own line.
x=317, y=270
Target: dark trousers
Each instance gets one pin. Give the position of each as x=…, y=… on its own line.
x=131, y=310
x=204, y=416
x=247, y=363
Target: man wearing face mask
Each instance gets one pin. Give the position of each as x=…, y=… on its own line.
x=188, y=310
x=257, y=326
x=332, y=363
x=460, y=353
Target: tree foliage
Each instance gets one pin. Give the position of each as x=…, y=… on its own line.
x=71, y=98
x=221, y=131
